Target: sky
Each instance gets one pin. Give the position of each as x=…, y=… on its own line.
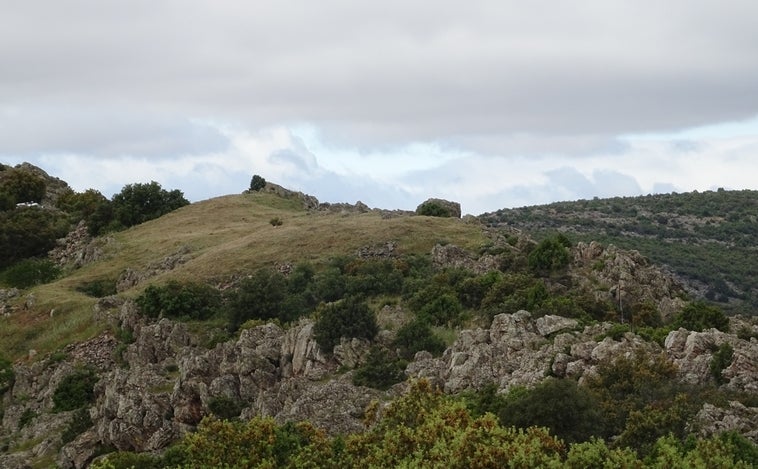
x=493, y=104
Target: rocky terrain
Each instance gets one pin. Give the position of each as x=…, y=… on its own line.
x=160, y=385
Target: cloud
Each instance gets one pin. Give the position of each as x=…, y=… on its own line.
x=390, y=73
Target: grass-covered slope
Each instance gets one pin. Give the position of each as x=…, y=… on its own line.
x=221, y=237
x=709, y=239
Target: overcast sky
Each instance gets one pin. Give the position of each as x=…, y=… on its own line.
x=490, y=103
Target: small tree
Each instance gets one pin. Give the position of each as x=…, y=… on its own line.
x=257, y=183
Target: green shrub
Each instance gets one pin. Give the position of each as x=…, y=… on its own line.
x=185, y=301
x=23, y=186
x=416, y=336
x=699, y=316
x=568, y=410
x=276, y=221
x=225, y=407
x=350, y=318
x=265, y=295
x=98, y=288
x=75, y=390
x=550, y=255
x=30, y=232
x=30, y=272
x=380, y=371
x=721, y=360
x=442, y=310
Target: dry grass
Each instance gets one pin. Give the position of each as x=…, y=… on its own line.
x=224, y=236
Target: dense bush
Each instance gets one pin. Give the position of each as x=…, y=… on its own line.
x=699, y=316
x=550, y=255
x=416, y=336
x=29, y=232
x=76, y=390
x=30, y=272
x=350, y=318
x=267, y=295
x=91, y=206
x=185, y=301
x=381, y=370
x=568, y=410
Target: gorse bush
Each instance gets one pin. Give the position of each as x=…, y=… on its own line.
x=550, y=255
x=699, y=316
x=416, y=336
x=381, y=370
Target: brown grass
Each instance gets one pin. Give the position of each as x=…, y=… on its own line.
x=224, y=236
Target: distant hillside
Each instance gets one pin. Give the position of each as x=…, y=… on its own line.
x=708, y=239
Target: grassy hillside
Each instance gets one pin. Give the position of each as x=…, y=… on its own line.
x=222, y=237
x=709, y=239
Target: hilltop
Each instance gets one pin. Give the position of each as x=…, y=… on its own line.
x=318, y=326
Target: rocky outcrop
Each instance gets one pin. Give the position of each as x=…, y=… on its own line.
x=130, y=278
x=617, y=276
x=450, y=255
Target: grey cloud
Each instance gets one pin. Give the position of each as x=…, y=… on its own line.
x=369, y=74
x=105, y=133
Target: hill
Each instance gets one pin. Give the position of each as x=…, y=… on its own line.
x=707, y=239
x=268, y=330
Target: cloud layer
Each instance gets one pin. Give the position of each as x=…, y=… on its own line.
x=498, y=102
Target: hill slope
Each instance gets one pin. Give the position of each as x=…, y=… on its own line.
x=708, y=239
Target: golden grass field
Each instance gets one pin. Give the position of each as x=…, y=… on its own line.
x=223, y=236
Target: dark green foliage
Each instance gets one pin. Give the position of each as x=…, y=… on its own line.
x=617, y=331
x=180, y=300
x=23, y=186
x=257, y=183
x=98, y=288
x=225, y=407
x=372, y=277
x=138, y=203
x=742, y=448
x=550, y=255
x=699, y=316
x=433, y=209
x=80, y=421
x=416, y=336
x=349, y=318
x=721, y=360
x=276, y=221
x=75, y=390
x=30, y=272
x=443, y=310
x=381, y=370
x=130, y=460
x=29, y=232
x=568, y=410
x=485, y=400
x=91, y=206
x=185, y=301
x=267, y=295
x=6, y=201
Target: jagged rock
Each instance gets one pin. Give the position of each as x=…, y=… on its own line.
x=551, y=324
x=451, y=255
x=350, y=353
x=378, y=251
x=128, y=279
x=309, y=202
x=80, y=452
x=712, y=420
x=453, y=208
x=303, y=356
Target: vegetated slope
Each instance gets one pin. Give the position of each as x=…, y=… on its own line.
x=708, y=239
x=213, y=241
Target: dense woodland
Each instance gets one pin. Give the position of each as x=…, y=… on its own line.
x=633, y=413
